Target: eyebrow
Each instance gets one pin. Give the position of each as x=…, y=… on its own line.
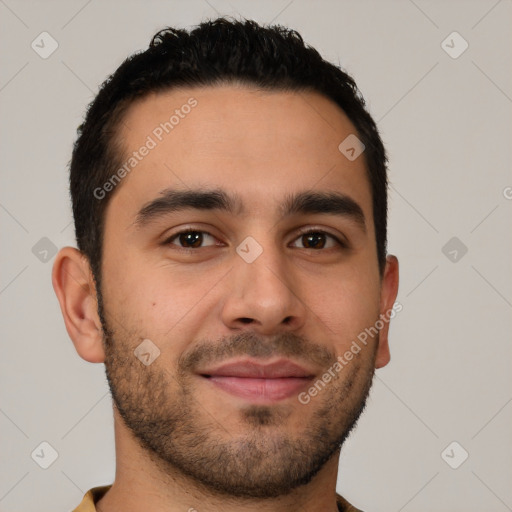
x=307, y=202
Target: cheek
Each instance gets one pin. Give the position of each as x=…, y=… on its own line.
x=346, y=305
x=160, y=301
x=130, y=295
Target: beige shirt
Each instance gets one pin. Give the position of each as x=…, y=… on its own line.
x=95, y=494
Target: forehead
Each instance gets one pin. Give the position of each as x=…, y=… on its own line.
x=257, y=144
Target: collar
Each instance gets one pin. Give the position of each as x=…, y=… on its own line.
x=92, y=496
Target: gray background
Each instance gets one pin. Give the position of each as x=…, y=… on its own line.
x=447, y=125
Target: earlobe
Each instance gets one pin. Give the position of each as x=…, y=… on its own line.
x=74, y=286
x=388, y=293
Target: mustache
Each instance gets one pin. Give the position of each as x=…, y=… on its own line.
x=252, y=344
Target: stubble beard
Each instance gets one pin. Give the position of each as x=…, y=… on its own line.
x=262, y=460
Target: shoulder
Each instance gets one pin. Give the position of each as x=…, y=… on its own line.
x=91, y=497
x=344, y=505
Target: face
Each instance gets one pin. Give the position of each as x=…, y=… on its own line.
x=241, y=245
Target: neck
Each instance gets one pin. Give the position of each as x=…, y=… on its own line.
x=140, y=484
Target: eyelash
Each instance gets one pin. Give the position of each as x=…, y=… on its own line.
x=340, y=243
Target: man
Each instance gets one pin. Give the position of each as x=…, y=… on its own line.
x=229, y=197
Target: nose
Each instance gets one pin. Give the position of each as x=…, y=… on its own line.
x=265, y=296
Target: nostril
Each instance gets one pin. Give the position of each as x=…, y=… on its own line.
x=246, y=320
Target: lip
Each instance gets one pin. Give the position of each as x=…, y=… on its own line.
x=259, y=382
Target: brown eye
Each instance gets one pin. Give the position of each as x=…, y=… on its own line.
x=318, y=240
x=314, y=240
x=190, y=239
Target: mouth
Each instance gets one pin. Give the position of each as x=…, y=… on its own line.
x=260, y=382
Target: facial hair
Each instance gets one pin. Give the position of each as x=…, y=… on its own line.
x=159, y=405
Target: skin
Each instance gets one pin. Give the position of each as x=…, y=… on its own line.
x=307, y=304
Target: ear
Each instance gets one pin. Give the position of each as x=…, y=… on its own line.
x=388, y=293
x=74, y=286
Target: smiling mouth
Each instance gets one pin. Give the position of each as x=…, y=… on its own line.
x=260, y=383
x=261, y=390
